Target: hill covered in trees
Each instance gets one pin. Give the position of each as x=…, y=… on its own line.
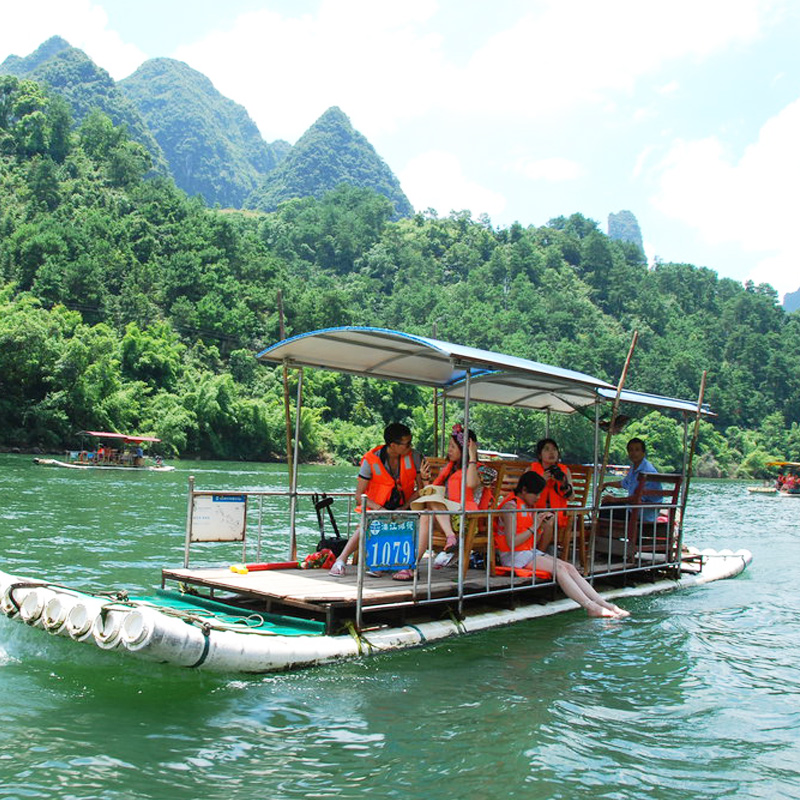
x=212, y=146
x=71, y=74
x=125, y=304
x=206, y=142
x=330, y=153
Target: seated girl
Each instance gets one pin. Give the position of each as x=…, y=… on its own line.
x=517, y=537
x=557, y=490
x=450, y=501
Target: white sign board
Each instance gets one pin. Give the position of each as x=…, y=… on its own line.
x=219, y=518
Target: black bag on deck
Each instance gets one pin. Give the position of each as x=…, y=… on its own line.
x=335, y=543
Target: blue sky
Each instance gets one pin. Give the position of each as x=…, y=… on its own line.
x=686, y=113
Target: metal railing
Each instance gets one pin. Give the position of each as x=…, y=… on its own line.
x=616, y=548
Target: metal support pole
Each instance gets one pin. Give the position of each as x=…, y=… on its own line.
x=293, y=486
x=260, y=526
x=442, y=445
x=362, y=562
x=189, y=514
x=436, y=423
x=435, y=413
x=463, y=514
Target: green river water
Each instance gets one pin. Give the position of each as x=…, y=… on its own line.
x=696, y=695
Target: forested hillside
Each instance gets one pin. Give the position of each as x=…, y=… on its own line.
x=71, y=74
x=206, y=142
x=331, y=152
x=125, y=304
x=199, y=130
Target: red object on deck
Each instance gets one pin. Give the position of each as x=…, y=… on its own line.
x=524, y=572
x=272, y=565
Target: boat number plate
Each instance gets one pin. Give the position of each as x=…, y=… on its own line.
x=391, y=544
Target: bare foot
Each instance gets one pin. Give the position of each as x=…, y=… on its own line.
x=620, y=612
x=596, y=610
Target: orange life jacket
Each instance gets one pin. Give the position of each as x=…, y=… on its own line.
x=450, y=474
x=524, y=523
x=379, y=488
x=552, y=496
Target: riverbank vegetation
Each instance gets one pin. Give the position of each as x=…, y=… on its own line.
x=126, y=305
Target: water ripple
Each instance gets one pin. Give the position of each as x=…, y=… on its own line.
x=697, y=695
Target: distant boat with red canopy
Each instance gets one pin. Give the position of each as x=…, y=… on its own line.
x=110, y=450
x=787, y=483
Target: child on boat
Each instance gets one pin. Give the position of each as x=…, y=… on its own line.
x=517, y=535
x=391, y=476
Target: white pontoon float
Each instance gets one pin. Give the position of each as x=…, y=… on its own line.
x=261, y=617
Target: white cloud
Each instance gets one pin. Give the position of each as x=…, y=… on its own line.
x=84, y=24
x=436, y=180
x=641, y=160
x=669, y=88
x=554, y=169
x=373, y=60
x=564, y=54
x=384, y=62
x=750, y=202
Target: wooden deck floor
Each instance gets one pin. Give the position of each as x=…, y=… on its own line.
x=308, y=588
x=316, y=594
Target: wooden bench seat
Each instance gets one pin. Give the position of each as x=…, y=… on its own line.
x=627, y=535
x=478, y=538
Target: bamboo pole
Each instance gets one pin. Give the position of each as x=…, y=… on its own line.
x=435, y=413
x=688, y=473
x=614, y=411
x=286, y=400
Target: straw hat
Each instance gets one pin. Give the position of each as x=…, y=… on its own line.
x=433, y=494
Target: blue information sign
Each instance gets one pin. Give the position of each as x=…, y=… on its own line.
x=392, y=544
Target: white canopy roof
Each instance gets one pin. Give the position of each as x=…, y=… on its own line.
x=393, y=355
x=657, y=401
x=494, y=377
x=526, y=390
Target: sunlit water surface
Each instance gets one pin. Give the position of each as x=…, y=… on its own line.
x=696, y=695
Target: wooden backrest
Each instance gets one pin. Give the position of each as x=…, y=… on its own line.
x=667, y=495
x=436, y=466
x=658, y=537
x=581, y=484
x=508, y=473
